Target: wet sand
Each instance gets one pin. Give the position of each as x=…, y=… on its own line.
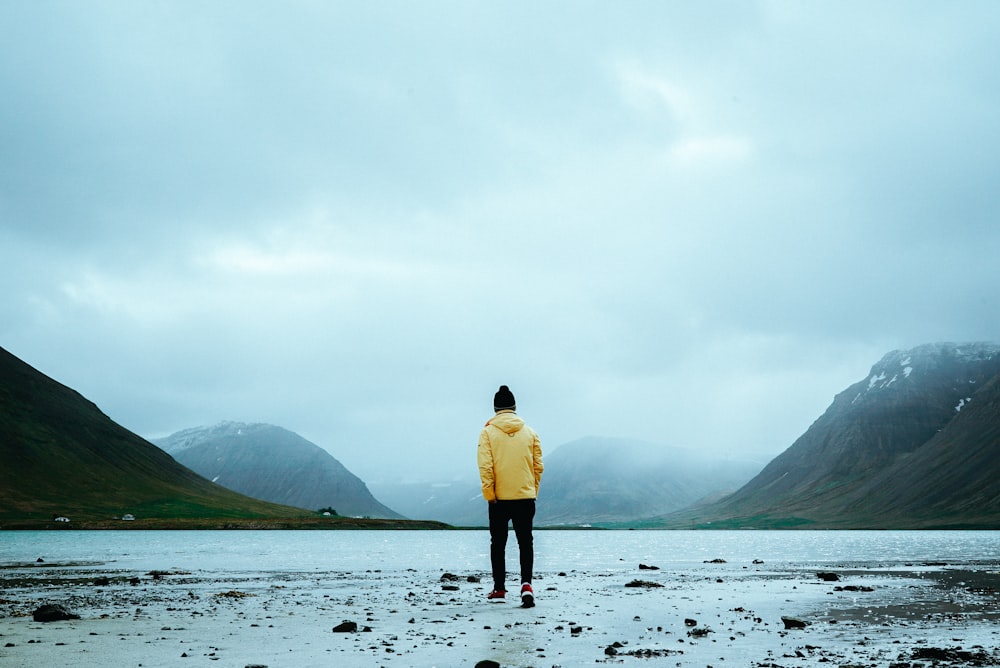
x=709, y=614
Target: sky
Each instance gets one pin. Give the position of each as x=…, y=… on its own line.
x=685, y=223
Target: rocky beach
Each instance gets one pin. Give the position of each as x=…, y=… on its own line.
x=706, y=613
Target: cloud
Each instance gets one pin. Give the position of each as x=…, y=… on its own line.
x=680, y=224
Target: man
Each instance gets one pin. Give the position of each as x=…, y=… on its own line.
x=510, y=468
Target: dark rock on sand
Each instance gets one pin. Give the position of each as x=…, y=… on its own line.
x=828, y=577
x=644, y=567
x=487, y=663
x=690, y=622
x=346, y=627
x=793, y=623
x=53, y=613
x=954, y=655
x=101, y=582
x=853, y=588
x=643, y=583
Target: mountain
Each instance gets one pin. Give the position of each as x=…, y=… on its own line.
x=915, y=444
x=62, y=456
x=589, y=481
x=273, y=464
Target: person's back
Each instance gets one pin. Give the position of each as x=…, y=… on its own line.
x=510, y=469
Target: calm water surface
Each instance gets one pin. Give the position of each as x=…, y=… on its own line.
x=464, y=550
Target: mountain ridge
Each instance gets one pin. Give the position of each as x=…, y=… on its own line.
x=63, y=456
x=273, y=464
x=871, y=459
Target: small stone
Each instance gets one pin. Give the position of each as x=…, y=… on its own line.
x=346, y=627
x=487, y=663
x=793, y=623
x=828, y=577
x=643, y=583
x=690, y=622
x=53, y=613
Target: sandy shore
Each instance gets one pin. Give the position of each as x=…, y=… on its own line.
x=711, y=614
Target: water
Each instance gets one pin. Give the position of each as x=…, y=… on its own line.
x=304, y=551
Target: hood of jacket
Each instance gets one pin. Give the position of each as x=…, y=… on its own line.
x=506, y=421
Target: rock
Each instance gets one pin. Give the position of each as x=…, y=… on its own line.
x=487, y=663
x=449, y=587
x=699, y=632
x=715, y=561
x=576, y=630
x=610, y=650
x=53, y=613
x=644, y=567
x=449, y=577
x=473, y=579
x=853, y=588
x=101, y=582
x=793, y=623
x=346, y=627
x=828, y=577
x=690, y=622
x=643, y=583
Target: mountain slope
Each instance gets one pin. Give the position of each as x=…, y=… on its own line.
x=619, y=480
x=911, y=445
x=273, y=464
x=589, y=481
x=62, y=455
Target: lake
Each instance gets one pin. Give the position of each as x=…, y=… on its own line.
x=469, y=550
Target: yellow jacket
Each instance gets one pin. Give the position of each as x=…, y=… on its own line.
x=510, y=458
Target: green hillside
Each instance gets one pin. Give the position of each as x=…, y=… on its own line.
x=60, y=455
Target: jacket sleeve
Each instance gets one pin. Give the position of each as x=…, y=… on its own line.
x=536, y=457
x=486, y=475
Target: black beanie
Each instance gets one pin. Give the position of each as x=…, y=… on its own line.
x=504, y=399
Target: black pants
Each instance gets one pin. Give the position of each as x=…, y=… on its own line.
x=521, y=513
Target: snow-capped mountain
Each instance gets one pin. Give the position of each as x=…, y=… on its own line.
x=273, y=464
x=916, y=443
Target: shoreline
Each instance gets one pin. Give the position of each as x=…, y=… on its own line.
x=708, y=614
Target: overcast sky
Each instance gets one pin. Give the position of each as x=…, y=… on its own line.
x=690, y=223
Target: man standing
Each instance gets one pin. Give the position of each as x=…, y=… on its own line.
x=510, y=467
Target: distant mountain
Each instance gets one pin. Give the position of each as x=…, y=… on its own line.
x=273, y=464
x=60, y=455
x=590, y=481
x=915, y=444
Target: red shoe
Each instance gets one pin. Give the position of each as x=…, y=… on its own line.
x=527, y=596
x=497, y=595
